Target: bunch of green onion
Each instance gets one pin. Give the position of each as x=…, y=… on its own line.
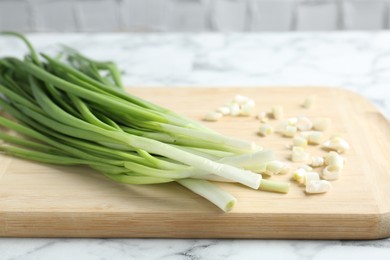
x=71, y=110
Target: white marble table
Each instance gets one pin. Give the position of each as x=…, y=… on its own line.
x=356, y=60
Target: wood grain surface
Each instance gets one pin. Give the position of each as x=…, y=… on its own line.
x=38, y=200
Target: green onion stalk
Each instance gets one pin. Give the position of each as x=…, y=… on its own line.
x=72, y=110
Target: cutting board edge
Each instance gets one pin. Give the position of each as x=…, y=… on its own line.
x=384, y=226
x=257, y=226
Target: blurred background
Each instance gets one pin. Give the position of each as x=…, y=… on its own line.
x=193, y=15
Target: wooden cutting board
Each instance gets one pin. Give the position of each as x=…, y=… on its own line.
x=38, y=200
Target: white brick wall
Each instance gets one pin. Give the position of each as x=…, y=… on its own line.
x=277, y=15
x=15, y=15
x=318, y=15
x=54, y=16
x=98, y=15
x=187, y=15
x=193, y=15
x=143, y=15
x=229, y=15
x=364, y=15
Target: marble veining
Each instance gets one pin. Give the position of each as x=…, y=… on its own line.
x=189, y=249
x=359, y=61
